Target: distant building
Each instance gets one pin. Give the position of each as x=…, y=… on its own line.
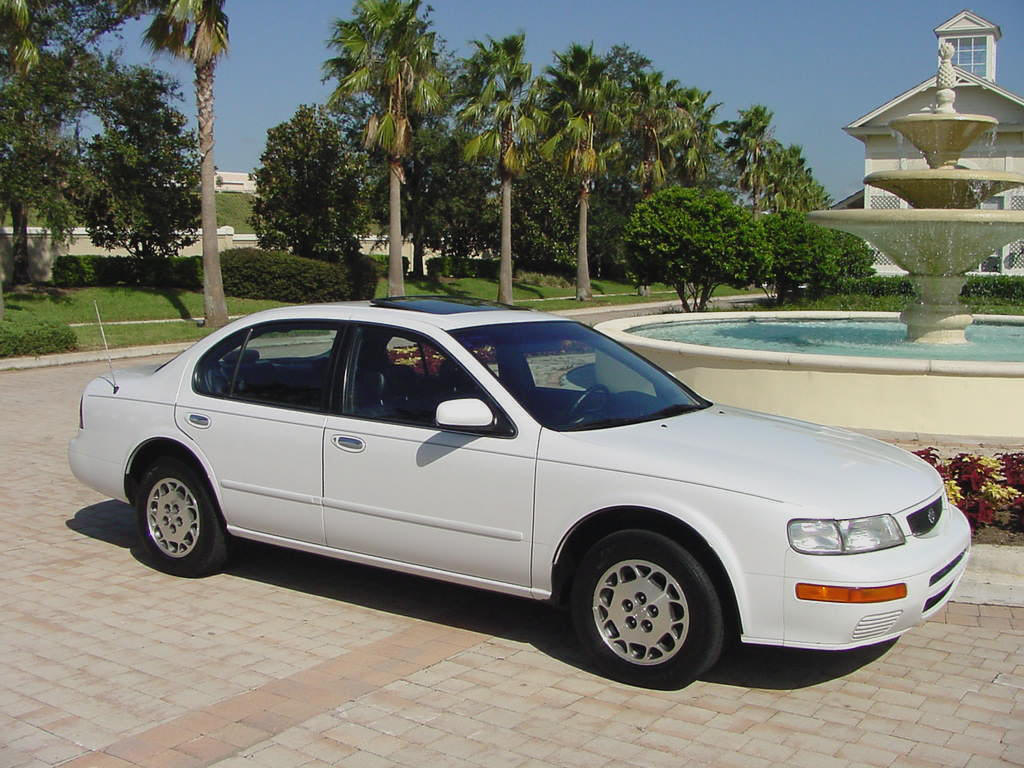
x=974, y=40
x=233, y=181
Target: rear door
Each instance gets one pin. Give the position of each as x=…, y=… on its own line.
x=257, y=408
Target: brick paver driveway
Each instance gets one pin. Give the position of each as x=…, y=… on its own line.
x=293, y=660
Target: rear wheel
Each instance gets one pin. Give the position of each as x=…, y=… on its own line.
x=178, y=521
x=646, y=610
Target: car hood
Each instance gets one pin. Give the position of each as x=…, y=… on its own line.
x=826, y=470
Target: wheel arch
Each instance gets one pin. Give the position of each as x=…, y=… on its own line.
x=164, y=447
x=601, y=523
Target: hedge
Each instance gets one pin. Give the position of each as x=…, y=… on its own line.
x=463, y=266
x=247, y=273
x=34, y=338
x=253, y=273
x=999, y=287
x=81, y=271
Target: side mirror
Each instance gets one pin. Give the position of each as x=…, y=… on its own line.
x=465, y=413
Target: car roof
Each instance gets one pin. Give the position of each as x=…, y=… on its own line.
x=443, y=312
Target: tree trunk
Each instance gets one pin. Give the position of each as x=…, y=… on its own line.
x=505, y=268
x=19, y=244
x=215, y=308
x=583, y=292
x=396, y=279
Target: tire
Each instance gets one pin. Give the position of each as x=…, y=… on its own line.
x=646, y=611
x=179, y=524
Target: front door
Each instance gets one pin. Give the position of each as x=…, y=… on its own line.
x=398, y=487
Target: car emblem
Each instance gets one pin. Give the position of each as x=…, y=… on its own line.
x=933, y=515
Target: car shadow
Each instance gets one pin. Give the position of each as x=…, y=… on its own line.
x=540, y=625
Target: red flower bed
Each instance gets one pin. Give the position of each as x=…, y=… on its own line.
x=989, y=490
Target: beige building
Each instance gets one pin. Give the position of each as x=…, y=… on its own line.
x=975, y=41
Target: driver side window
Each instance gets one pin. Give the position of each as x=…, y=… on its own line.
x=402, y=377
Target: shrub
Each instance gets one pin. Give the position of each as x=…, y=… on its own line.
x=463, y=266
x=83, y=271
x=995, y=287
x=253, y=273
x=990, y=491
x=34, y=338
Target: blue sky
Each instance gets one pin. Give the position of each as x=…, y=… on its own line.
x=817, y=64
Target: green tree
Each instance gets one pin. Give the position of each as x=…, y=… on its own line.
x=49, y=72
x=543, y=224
x=500, y=98
x=698, y=148
x=695, y=240
x=791, y=184
x=141, y=172
x=656, y=122
x=584, y=104
x=803, y=253
x=388, y=53
x=310, y=189
x=750, y=145
x=196, y=31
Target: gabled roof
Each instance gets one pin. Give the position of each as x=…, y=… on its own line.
x=963, y=78
x=968, y=22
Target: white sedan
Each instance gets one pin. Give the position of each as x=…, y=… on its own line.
x=520, y=452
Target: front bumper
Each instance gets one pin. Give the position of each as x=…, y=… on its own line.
x=930, y=566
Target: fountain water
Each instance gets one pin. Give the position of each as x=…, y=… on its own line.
x=943, y=234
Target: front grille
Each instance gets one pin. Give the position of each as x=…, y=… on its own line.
x=876, y=625
x=923, y=520
x=932, y=601
x=940, y=574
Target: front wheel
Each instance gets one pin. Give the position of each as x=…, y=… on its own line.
x=646, y=610
x=178, y=521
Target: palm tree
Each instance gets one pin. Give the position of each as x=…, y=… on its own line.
x=21, y=51
x=791, y=184
x=500, y=99
x=387, y=53
x=698, y=140
x=749, y=145
x=583, y=103
x=196, y=31
x=656, y=122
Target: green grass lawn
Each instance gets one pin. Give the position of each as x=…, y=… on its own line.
x=233, y=210
x=123, y=303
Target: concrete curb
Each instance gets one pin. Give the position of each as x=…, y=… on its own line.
x=995, y=576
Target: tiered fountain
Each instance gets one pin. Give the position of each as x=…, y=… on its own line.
x=943, y=234
x=859, y=369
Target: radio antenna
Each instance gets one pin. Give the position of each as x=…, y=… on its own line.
x=106, y=349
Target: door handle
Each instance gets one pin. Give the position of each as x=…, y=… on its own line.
x=350, y=444
x=198, y=420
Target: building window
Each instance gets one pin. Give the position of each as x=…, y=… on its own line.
x=970, y=54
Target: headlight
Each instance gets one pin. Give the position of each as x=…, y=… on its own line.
x=845, y=537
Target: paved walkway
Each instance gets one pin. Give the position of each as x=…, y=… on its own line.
x=292, y=660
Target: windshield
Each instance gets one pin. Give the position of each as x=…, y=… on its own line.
x=570, y=377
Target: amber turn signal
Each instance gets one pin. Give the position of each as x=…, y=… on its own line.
x=826, y=594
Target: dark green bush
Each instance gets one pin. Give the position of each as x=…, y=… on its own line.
x=253, y=273
x=994, y=287
x=34, y=338
x=81, y=271
x=999, y=287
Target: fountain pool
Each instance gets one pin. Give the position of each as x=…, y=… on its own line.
x=922, y=396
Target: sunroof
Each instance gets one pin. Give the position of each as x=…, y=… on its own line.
x=441, y=305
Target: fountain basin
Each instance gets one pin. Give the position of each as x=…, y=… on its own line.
x=929, y=241
x=962, y=400
x=945, y=187
x=942, y=137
